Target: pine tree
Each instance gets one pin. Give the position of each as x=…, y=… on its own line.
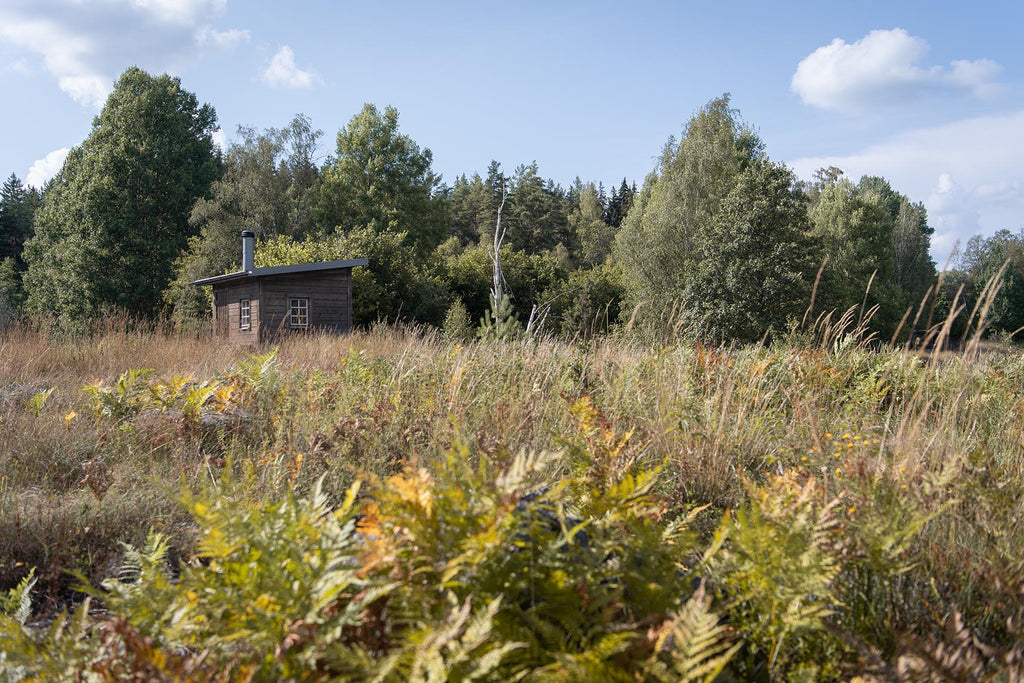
x=18, y=205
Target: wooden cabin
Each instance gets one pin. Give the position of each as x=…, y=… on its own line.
x=255, y=305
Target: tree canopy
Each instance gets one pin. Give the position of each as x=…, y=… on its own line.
x=114, y=219
x=380, y=178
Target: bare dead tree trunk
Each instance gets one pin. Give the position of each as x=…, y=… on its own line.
x=497, y=288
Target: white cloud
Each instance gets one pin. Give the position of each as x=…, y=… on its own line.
x=222, y=40
x=282, y=71
x=20, y=67
x=220, y=139
x=85, y=45
x=970, y=174
x=182, y=12
x=47, y=167
x=885, y=67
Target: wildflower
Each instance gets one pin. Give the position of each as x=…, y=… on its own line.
x=803, y=459
x=828, y=435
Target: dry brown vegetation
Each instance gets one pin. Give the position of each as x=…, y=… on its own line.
x=884, y=488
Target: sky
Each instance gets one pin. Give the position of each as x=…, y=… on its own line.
x=929, y=95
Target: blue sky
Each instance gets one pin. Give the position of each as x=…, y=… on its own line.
x=929, y=95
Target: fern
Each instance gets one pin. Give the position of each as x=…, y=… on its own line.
x=17, y=603
x=693, y=645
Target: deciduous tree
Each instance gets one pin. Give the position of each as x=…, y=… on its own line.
x=382, y=179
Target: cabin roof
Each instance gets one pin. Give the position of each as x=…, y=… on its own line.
x=281, y=270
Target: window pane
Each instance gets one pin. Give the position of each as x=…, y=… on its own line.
x=244, y=314
x=298, y=312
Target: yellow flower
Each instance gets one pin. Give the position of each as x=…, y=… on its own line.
x=828, y=435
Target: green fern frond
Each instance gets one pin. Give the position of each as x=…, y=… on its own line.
x=17, y=603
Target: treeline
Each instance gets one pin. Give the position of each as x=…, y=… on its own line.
x=720, y=243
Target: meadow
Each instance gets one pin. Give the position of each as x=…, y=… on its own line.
x=398, y=505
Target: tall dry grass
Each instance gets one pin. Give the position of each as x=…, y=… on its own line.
x=897, y=434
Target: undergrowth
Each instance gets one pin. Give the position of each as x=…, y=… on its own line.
x=394, y=506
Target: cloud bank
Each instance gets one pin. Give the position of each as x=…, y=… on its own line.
x=85, y=45
x=970, y=174
x=885, y=67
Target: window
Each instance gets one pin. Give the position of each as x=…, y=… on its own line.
x=244, y=314
x=298, y=312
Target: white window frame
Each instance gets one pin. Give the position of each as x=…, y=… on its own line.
x=298, y=312
x=245, y=314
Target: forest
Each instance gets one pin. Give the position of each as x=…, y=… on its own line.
x=725, y=425
x=719, y=241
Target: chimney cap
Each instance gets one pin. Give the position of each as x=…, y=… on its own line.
x=248, y=233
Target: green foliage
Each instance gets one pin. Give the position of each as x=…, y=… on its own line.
x=269, y=185
x=473, y=210
x=11, y=297
x=756, y=261
x=499, y=321
x=779, y=564
x=18, y=205
x=129, y=395
x=528, y=278
x=876, y=244
x=116, y=217
x=38, y=401
x=664, y=236
x=16, y=605
x=457, y=324
x=588, y=303
x=982, y=261
x=535, y=214
x=381, y=179
x=593, y=235
x=396, y=285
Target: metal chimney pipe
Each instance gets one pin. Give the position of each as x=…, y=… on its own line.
x=248, y=250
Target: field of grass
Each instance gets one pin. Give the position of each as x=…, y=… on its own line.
x=396, y=506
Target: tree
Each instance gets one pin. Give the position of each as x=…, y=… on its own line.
x=381, y=178
x=472, y=210
x=114, y=219
x=619, y=203
x=536, y=212
x=877, y=244
x=981, y=261
x=757, y=260
x=661, y=240
x=269, y=183
x=18, y=205
x=593, y=235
